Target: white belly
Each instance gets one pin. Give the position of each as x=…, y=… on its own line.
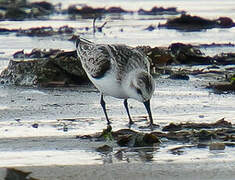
x=109, y=86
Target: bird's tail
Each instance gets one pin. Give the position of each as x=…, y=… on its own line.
x=83, y=47
x=81, y=41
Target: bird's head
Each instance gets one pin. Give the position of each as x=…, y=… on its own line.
x=142, y=86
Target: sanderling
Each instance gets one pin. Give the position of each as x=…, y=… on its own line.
x=119, y=71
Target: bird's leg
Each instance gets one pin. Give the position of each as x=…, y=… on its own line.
x=102, y=102
x=128, y=113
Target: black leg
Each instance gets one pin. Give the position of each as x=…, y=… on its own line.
x=102, y=102
x=128, y=113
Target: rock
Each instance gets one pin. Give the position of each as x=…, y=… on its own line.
x=218, y=124
x=158, y=57
x=150, y=28
x=150, y=139
x=37, y=53
x=211, y=45
x=187, y=54
x=104, y=149
x=20, y=10
x=50, y=67
x=225, y=58
x=116, y=10
x=85, y=11
x=38, y=31
x=43, y=5
x=39, y=9
x=19, y=54
x=202, y=145
x=182, y=136
x=125, y=140
x=121, y=132
x=6, y=31
x=66, y=30
x=225, y=22
x=204, y=135
x=90, y=12
x=35, y=125
x=222, y=86
x=138, y=140
x=15, y=13
x=217, y=146
x=45, y=31
x=172, y=127
x=160, y=11
x=15, y=174
x=194, y=23
x=179, y=76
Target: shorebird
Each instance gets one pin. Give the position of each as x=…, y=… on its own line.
x=119, y=71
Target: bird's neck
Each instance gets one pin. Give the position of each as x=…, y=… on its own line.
x=128, y=82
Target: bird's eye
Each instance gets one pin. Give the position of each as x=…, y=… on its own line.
x=139, y=91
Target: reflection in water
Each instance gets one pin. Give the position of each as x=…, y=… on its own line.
x=135, y=154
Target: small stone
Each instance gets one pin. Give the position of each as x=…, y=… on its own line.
x=179, y=76
x=104, y=149
x=65, y=128
x=204, y=135
x=217, y=146
x=150, y=139
x=150, y=28
x=201, y=145
x=119, y=155
x=172, y=127
x=201, y=116
x=13, y=173
x=124, y=140
x=17, y=120
x=35, y=125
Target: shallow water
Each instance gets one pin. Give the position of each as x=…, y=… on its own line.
x=78, y=109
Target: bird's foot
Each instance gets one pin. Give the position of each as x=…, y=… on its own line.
x=150, y=126
x=153, y=126
x=108, y=123
x=130, y=124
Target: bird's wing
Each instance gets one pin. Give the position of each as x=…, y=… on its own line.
x=128, y=58
x=95, y=58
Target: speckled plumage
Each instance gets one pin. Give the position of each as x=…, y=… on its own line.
x=119, y=71
x=97, y=59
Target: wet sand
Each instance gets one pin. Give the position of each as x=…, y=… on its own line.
x=50, y=152
x=209, y=170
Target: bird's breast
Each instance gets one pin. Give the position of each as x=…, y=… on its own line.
x=109, y=85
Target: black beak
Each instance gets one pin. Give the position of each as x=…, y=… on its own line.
x=147, y=106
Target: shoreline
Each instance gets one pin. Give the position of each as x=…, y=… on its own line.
x=215, y=170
